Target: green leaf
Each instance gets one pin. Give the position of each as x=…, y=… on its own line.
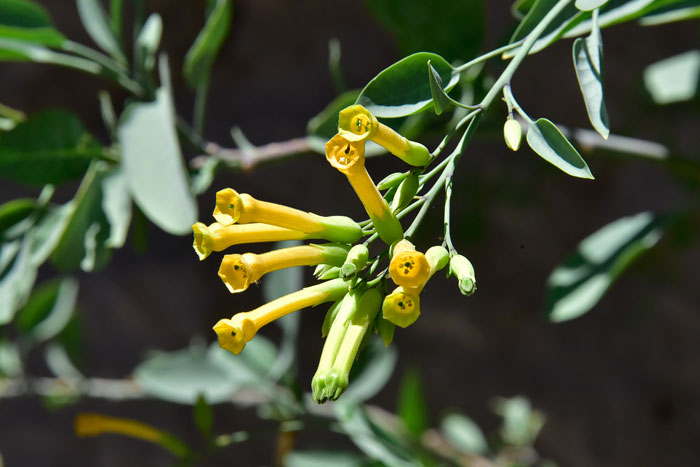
x=203, y=416
x=27, y=21
x=250, y=368
x=83, y=242
x=440, y=99
x=116, y=204
x=552, y=32
x=520, y=8
x=154, y=166
x=16, y=280
x=677, y=11
x=589, y=5
x=614, y=12
x=49, y=309
x=10, y=360
x=674, y=79
x=200, y=58
x=464, y=434
x=372, y=439
x=323, y=459
x=371, y=371
x=547, y=141
x=147, y=43
x=13, y=212
x=521, y=424
x=49, y=147
x=325, y=124
x=577, y=285
x=20, y=51
x=97, y=24
x=402, y=89
x=588, y=62
x=183, y=376
x=412, y=407
x=453, y=29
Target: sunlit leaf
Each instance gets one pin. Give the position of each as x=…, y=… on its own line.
x=674, y=79
x=577, y=285
x=403, y=88
x=677, y=11
x=97, y=24
x=547, y=141
x=464, y=434
x=589, y=5
x=588, y=62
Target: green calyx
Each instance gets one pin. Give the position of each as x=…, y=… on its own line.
x=355, y=260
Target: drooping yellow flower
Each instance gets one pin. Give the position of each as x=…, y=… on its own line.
x=216, y=237
x=233, y=333
x=401, y=307
x=232, y=207
x=349, y=158
x=239, y=271
x=355, y=123
x=408, y=267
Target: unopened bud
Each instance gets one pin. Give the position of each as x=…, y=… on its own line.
x=512, y=133
x=462, y=268
x=405, y=193
x=354, y=262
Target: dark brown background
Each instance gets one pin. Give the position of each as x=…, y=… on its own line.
x=619, y=386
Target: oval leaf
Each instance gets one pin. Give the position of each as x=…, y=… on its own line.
x=464, y=434
x=547, y=141
x=674, y=79
x=588, y=62
x=200, y=58
x=27, y=21
x=154, y=166
x=403, y=88
x=96, y=23
x=575, y=286
x=49, y=147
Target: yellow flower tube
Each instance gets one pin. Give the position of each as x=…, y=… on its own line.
x=355, y=123
x=239, y=271
x=408, y=267
x=233, y=333
x=232, y=207
x=216, y=237
x=349, y=158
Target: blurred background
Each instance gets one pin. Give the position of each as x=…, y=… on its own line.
x=618, y=386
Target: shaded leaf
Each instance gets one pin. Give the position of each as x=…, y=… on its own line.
x=12, y=212
x=452, y=29
x=674, y=79
x=28, y=21
x=251, y=367
x=19, y=51
x=49, y=309
x=16, y=281
x=10, y=360
x=154, y=166
x=588, y=62
x=547, y=141
x=464, y=434
x=577, y=285
x=203, y=416
x=200, y=58
x=440, y=100
x=520, y=8
x=412, y=407
x=97, y=24
x=402, y=89
x=182, y=376
x=51, y=146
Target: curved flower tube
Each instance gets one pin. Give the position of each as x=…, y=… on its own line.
x=408, y=267
x=233, y=333
x=402, y=306
x=239, y=271
x=216, y=237
x=355, y=123
x=349, y=158
x=232, y=207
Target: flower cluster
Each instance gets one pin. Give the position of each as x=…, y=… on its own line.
x=344, y=266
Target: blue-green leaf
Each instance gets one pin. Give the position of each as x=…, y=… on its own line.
x=588, y=62
x=323, y=459
x=49, y=147
x=464, y=434
x=28, y=21
x=577, y=285
x=49, y=309
x=154, y=166
x=97, y=24
x=589, y=5
x=677, y=11
x=403, y=88
x=200, y=58
x=547, y=141
x=371, y=371
x=570, y=14
x=674, y=79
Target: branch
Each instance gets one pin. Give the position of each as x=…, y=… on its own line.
x=248, y=159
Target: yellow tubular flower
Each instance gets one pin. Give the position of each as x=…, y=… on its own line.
x=401, y=307
x=349, y=158
x=217, y=237
x=232, y=207
x=355, y=123
x=235, y=332
x=408, y=267
x=239, y=271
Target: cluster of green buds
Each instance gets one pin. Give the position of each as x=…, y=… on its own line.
x=361, y=297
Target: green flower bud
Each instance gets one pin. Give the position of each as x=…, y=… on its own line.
x=462, y=268
x=512, y=133
x=331, y=272
x=392, y=180
x=354, y=262
x=405, y=193
x=437, y=257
